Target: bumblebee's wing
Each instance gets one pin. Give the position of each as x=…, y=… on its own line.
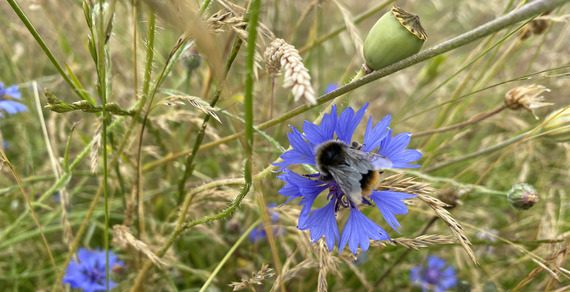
x=378, y=160
x=348, y=179
x=348, y=175
x=359, y=160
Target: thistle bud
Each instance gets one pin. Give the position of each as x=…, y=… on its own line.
x=559, y=127
x=395, y=36
x=522, y=196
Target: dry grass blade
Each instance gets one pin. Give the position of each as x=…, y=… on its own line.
x=563, y=270
x=295, y=271
x=256, y=279
x=551, y=259
x=123, y=238
x=238, y=10
x=218, y=20
x=184, y=15
x=361, y=276
x=416, y=243
x=281, y=54
x=454, y=226
x=324, y=261
x=64, y=221
x=350, y=28
x=194, y=101
x=403, y=184
x=94, y=152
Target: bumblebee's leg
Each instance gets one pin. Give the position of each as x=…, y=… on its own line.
x=313, y=175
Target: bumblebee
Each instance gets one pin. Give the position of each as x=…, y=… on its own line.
x=356, y=172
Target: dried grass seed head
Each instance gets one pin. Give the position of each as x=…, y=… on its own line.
x=279, y=54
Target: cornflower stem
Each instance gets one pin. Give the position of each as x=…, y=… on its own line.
x=473, y=120
x=524, y=12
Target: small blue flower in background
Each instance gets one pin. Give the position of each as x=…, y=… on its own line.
x=258, y=232
x=89, y=273
x=330, y=87
x=320, y=222
x=435, y=277
x=7, y=105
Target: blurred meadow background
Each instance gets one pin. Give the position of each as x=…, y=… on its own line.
x=170, y=182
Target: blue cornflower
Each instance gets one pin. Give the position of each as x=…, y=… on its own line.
x=378, y=142
x=89, y=273
x=330, y=87
x=434, y=277
x=7, y=105
x=258, y=232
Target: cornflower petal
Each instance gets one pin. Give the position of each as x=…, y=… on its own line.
x=301, y=187
x=358, y=231
x=323, y=132
x=435, y=263
x=394, y=148
x=322, y=222
x=347, y=123
x=434, y=277
x=12, y=91
x=302, y=153
x=374, y=135
x=89, y=273
x=330, y=87
x=389, y=203
x=12, y=107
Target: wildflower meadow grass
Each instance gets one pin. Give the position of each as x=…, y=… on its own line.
x=284, y=145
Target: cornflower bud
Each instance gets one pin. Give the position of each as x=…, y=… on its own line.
x=522, y=196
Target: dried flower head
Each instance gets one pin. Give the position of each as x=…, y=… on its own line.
x=535, y=27
x=522, y=196
x=281, y=54
x=450, y=197
x=526, y=97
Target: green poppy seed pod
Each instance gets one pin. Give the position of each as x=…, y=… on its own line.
x=522, y=196
x=395, y=36
x=559, y=127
